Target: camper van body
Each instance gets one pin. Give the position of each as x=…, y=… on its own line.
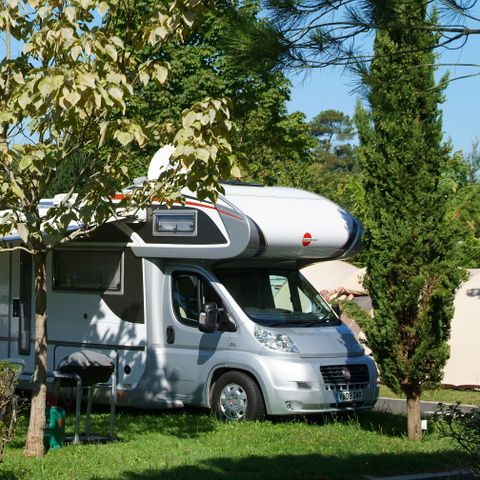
x=276, y=347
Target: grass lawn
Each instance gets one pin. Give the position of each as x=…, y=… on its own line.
x=466, y=397
x=191, y=445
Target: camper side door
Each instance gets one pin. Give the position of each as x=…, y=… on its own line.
x=16, y=310
x=190, y=354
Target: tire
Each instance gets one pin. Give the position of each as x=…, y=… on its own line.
x=236, y=397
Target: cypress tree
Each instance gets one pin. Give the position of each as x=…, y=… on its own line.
x=411, y=270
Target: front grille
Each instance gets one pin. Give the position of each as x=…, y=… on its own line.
x=345, y=386
x=345, y=374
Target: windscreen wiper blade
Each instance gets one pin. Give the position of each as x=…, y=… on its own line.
x=295, y=322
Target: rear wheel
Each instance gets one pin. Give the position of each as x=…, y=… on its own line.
x=236, y=397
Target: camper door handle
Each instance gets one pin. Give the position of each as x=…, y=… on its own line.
x=16, y=307
x=170, y=335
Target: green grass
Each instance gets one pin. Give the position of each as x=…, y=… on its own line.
x=194, y=446
x=444, y=395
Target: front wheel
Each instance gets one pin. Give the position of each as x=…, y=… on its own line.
x=236, y=397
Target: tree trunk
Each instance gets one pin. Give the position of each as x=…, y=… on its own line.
x=36, y=427
x=6, y=89
x=414, y=419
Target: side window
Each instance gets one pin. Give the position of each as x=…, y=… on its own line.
x=87, y=270
x=189, y=292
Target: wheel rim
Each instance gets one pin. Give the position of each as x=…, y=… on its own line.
x=233, y=402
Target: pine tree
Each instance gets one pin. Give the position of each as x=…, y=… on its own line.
x=411, y=271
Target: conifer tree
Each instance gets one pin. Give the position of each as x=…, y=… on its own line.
x=411, y=271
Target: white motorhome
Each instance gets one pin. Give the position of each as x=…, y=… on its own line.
x=203, y=304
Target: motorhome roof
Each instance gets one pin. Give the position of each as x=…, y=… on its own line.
x=277, y=192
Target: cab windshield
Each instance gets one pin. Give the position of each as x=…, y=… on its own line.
x=277, y=298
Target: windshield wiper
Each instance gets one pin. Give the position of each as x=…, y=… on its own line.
x=295, y=322
x=308, y=323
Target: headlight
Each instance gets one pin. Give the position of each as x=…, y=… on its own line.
x=275, y=341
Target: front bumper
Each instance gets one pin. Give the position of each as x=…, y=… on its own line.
x=298, y=387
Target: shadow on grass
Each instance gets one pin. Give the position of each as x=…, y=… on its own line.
x=185, y=423
x=129, y=423
x=195, y=422
x=9, y=475
x=292, y=467
x=385, y=423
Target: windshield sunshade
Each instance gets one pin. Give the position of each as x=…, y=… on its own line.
x=277, y=298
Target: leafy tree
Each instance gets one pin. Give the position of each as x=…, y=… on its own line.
x=412, y=271
x=266, y=135
x=331, y=127
x=465, y=205
x=66, y=91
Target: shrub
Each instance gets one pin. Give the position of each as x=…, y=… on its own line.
x=8, y=404
x=464, y=428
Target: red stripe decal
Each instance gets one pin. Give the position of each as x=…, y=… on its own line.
x=121, y=196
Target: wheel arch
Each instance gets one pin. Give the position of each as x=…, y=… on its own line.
x=218, y=372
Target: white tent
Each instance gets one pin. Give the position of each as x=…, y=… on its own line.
x=329, y=275
x=463, y=366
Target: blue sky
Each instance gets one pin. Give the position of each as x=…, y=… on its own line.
x=327, y=88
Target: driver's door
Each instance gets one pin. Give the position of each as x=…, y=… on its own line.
x=190, y=354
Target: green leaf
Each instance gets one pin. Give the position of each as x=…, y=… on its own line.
x=67, y=33
x=17, y=191
x=24, y=100
x=22, y=230
x=189, y=17
x=76, y=51
x=116, y=93
x=202, y=154
x=144, y=77
x=70, y=12
x=111, y=52
x=123, y=137
x=46, y=86
x=18, y=77
x=73, y=97
x=5, y=117
x=87, y=79
x=43, y=12
x=161, y=73
x=102, y=8
x=25, y=162
x=118, y=42
x=188, y=119
x=236, y=172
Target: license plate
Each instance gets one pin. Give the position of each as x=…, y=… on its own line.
x=349, y=396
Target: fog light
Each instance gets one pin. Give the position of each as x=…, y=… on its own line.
x=294, y=405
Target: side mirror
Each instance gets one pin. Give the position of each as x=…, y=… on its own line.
x=337, y=310
x=207, y=322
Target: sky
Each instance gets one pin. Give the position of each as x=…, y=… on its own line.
x=328, y=88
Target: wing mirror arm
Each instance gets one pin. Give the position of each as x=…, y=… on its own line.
x=207, y=321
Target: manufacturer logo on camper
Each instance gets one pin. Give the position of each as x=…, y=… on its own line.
x=307, y=239
x=346, y=374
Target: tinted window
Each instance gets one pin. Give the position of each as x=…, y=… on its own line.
x=189, y=292
x=277, y=298
x=87, y=270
